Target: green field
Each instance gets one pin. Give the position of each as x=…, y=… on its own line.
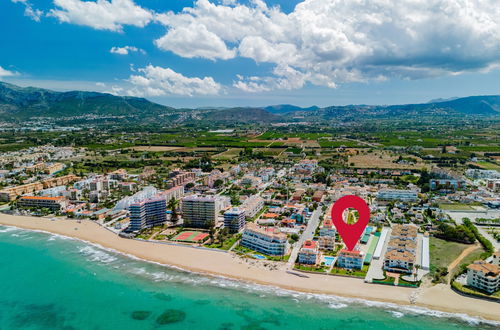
x=228, y=154
x=489, y=165
x=456, y=207
x=443, y=252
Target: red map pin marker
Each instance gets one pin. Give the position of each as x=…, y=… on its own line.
x=350, y=233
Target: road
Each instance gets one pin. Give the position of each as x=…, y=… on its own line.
x=308, y=233
x=459, y=259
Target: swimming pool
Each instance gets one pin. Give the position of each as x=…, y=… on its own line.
x=329, y=260
x=258, y=256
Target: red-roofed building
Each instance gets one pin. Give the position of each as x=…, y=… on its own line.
x=327, y=229
x=288, y=222
x=309, y=253
x=53, y=203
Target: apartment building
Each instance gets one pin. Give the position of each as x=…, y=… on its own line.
x=178, y=178
x=401, y=249
x=399, y=261
x=397, y=195
x=147, y=214
x=309, y=253
x=120, y=174
x=297, y=195
x=350, y=259
x=234, y=220
x=493, y=185
x=318, y=196
x=11, y=193
x=54, y=168
x=53, y=203
x=327, y=229
x=402, y=245
x=446, y=184
x=268, y=240
x=404, y=232
x=252, y=206
x=200, y=211
x=250, y=180
x=484, y=276
x=38, y=167
x=326, y=243
x=175, y=193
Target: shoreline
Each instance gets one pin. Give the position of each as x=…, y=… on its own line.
x=203, y=261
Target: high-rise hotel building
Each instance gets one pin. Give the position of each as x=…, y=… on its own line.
x=147, y=214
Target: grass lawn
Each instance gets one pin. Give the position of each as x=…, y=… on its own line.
x=319, y=269
x=226, y=245
x=473, y=291
x=403, y=282
x=470, y=258
x=354, y=272
x=456, y=206
x=387, y=280
x=443, y=252
x=249, y=252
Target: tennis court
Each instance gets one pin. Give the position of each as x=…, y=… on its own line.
x=190, y=237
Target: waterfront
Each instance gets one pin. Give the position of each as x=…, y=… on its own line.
x=53, y=282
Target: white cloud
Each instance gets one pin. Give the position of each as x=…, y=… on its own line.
x=7, y=73
x=158, y=81
x=126, y=50
x=101, y=14
x=329, y=42
x=29, y=11
x=194, y=40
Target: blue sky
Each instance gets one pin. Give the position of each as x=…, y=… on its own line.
x=188, y=53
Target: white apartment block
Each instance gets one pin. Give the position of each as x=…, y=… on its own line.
x=484, y=276
x=268, y=240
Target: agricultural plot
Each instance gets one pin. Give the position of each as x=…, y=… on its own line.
x=228, y=154
x=153, y=148
x=382, y=160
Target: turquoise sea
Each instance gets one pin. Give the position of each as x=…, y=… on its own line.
x=52, y=282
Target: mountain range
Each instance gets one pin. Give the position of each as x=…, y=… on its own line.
x=23, y=103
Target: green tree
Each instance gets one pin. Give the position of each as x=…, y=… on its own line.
x=172, y=205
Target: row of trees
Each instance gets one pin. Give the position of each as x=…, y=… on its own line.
x=488, y=247
x=461, y=234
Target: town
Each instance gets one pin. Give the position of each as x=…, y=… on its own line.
x=273, y=207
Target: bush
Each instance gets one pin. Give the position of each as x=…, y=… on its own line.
x=484, y=241
x=461, y=234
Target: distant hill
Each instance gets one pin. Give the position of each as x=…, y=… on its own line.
x=472, y=105
x=286, y=108
x=23, y=103
x=257, y=115
x=18, y=103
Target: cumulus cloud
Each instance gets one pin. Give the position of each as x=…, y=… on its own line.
x=101, y=14
x=7, y=73
x=329, y=42
x=126, y=50
x=29, y=10
x=157, y=81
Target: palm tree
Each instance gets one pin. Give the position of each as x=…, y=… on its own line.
x=172, y=205
x=417, y=267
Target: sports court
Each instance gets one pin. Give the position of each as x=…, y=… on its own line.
x=190, y=237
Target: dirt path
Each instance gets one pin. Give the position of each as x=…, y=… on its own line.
x=462, y=255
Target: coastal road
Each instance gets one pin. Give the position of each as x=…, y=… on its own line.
x=308, y=233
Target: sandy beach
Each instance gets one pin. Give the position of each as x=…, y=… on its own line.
x=439, y=297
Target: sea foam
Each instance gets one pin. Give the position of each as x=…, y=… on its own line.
x=97, y=253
